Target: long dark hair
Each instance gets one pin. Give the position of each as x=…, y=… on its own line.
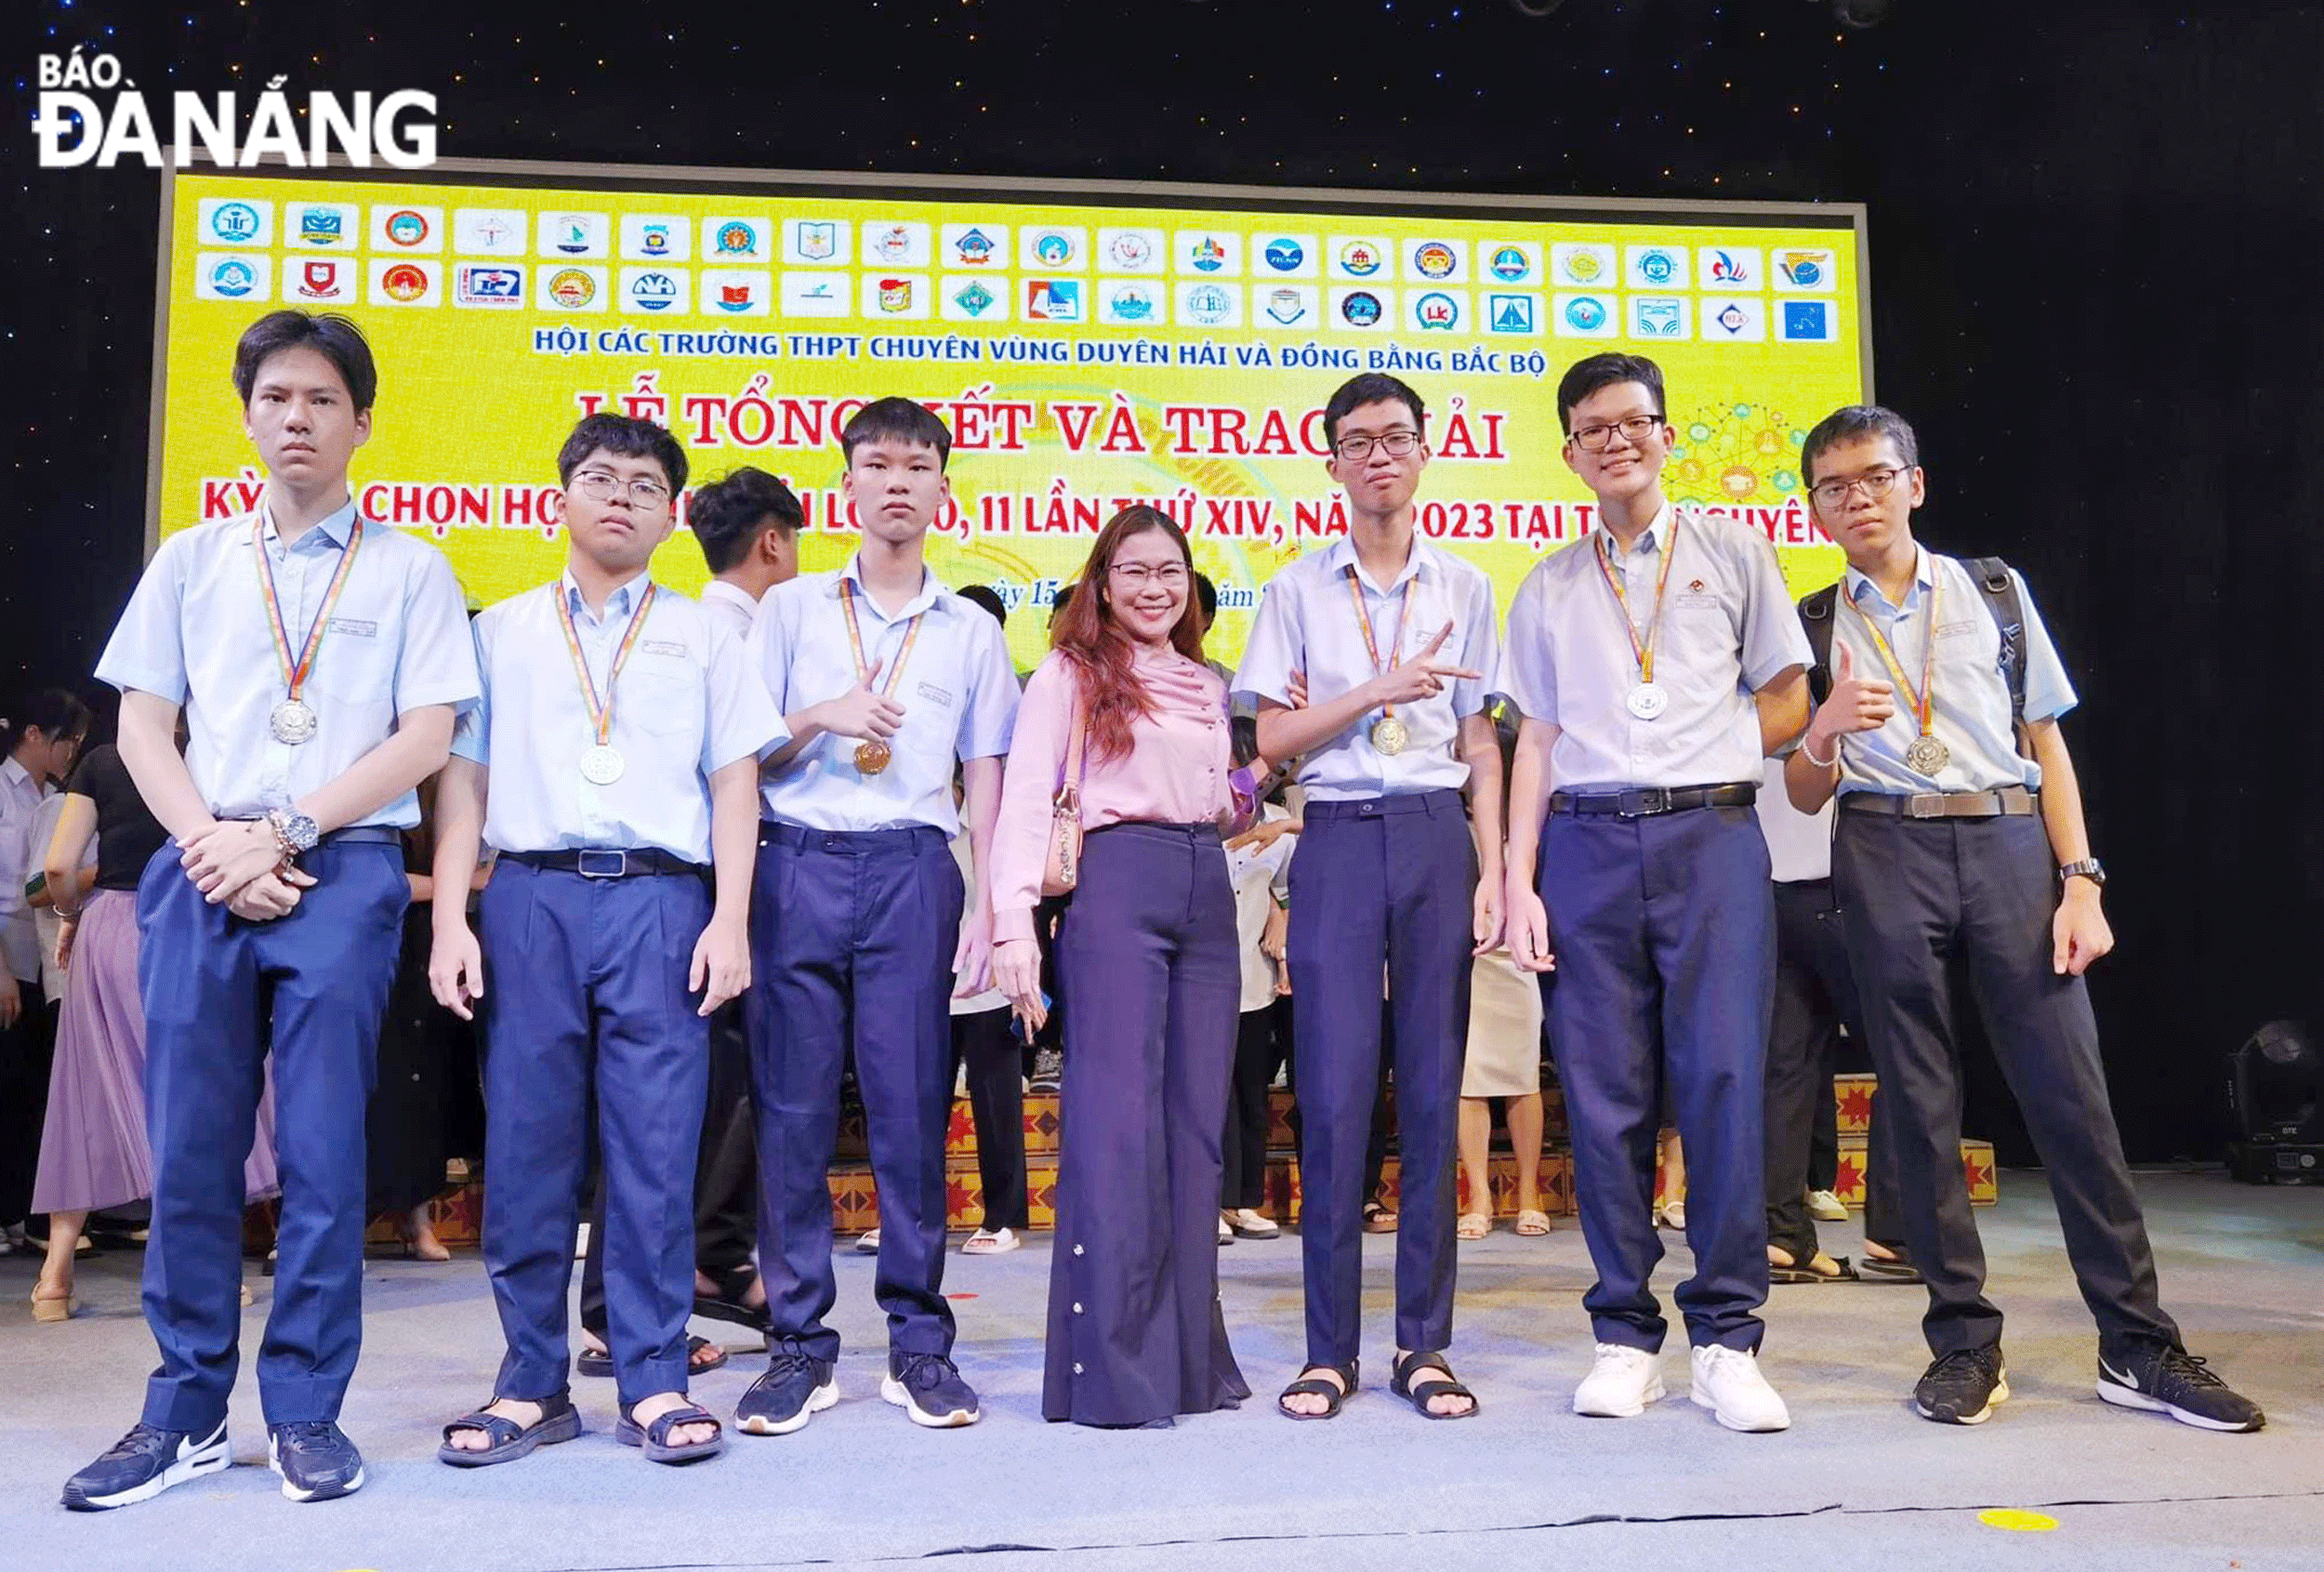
x=1087, y=634
x=55, y=712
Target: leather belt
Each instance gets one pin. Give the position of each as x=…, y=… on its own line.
x=1942, y=804
x=363, y=835
x=591, y=862
x=1640, y=802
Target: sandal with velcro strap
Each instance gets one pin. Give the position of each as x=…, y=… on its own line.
x=507, y=1440
x=1420, y=1393
x=653, y=1436
x=1316, y=1386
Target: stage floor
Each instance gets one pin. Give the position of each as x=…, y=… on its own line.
x=1858, y=1481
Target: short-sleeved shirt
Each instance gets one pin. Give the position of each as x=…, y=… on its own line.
x=196, y=633
x=21, y=797
x=958, y=689
x=1728, y=629
x=1307, y=623
x=1260, y=879
x=731, y=605
x=686, y=705
x=1971, y=705
x=127, y=833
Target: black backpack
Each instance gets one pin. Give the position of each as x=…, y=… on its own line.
x=1999, y=590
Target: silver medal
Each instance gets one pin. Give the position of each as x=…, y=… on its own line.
x=292, y=723
x=1926, y=756
x=601, y=765
x=1648, y=700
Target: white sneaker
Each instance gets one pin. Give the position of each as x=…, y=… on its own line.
x=1620, y=1384
x=1825, y=1206
x=1727, y=1382
x=1249, y=1224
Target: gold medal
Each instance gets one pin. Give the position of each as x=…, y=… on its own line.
x=873, y=756
x=1388, y=737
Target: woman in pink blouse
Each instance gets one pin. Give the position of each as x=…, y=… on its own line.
x=1147, y=960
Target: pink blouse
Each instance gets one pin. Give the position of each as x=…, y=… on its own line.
x=1176, y=772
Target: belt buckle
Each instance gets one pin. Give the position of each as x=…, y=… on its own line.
x=1640, y=801
x=1925, y=805
x=607, y=865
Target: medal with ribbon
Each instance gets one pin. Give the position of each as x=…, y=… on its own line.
x=1926, y=754
x=293, y=720
x=1648, y=699
x=601, y=763
x=1390, y=736
x=873, y=755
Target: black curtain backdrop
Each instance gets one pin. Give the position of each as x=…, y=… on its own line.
x=2096, y=231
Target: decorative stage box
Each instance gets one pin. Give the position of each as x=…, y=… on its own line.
x=1557, y=1185
x=1976, y=1166
x=1854, y=1094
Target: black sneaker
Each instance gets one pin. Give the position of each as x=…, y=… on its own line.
x=796, y=1388
x=1963, y=1386
x=316, y=1460
x=1049, y=1071
x=2165, y=1378
x=929, y=1389
x=144, y=1463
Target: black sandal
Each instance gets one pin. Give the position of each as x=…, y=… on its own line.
x=729, y=1303
x=506, y=1439
x=1805, y=1272
x=599, y=1361
x=653, y=1438
x=1897, y=1268
x=1316, y=1386
x=1419, y=1394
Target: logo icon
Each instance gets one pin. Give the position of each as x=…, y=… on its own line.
x=1728, y=269
x=736, y=296
x=1510, y=313
x=1657, y=318
x=1585, y=313
x=406, y=227
x=478, y=285
x=572, y=288
x=1132, y=303
x=1656, y=266
x=1360, y=258
x=404, y=283
x=1510, y=264
x=895, y=296
x=818, y=242
x=974, y=248
x=1803, y=270
x=1053, y=249
x=1360, y=308
x=1284, y=255
x=1209, y=305
x=1436, y=259
x=1807, y=319
x=975, y=299
x=1739, y=321
x=489, y=231
x=236, y=224
x=319, y=278
x=1208, y=256
x=1053, y=300
x=1287, y=305
x=233, y=278
x=569, y=232
x=894, y=243
x=1129, y=249
x=654, y=240
x=736, y=239
x=320, y=226
x=654, y=292
x=1732, y=318
x=1584, y=265
x=1436, y=311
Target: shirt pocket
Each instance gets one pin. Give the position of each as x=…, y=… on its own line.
x=663, y=697
x=355, y=665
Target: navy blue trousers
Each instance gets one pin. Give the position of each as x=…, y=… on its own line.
x=1381, y=882
x=586, y=988
x=220, y=995
x=1148, y=953
x=1664, y=930
x=1919, y=894
x=851, y=936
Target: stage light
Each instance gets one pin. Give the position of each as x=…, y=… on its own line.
x=2276, y=1092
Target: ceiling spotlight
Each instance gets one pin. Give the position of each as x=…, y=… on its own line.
x=1862, y=13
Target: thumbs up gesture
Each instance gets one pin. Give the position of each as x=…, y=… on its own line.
x=861, y=712
x=1855, y=704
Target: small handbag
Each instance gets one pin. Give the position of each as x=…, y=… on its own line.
x=1062, y=870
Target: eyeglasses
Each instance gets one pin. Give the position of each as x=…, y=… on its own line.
x=1137, y=576
x=598, y=486
x=1877, y=485
x=1398, y=444
x=1634, y=428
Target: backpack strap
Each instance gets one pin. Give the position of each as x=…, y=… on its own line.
x=1816, y=617
x=1998, y=587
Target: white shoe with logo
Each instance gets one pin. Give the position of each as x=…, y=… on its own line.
x=1727, y=1382
x=1620, y=1384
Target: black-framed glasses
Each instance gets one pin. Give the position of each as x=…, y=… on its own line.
x=1634, y=428
x=598, y=486
x=1877, y=485
x=1399, y=444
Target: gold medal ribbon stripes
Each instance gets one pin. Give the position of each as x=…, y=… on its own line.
x=1927, y=754
x=872, y=754
x=1646, y=700
x=1389, y=735
x=293, y=720
x=602, y=763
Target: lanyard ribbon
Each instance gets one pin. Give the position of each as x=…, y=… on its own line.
x=1371, y=643
x=601, y=710
x=855, y=640
x=298, y=667
x=1641, y=649
x=1923, y=702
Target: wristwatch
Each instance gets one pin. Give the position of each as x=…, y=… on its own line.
x=2088, y=868
x=294, y=829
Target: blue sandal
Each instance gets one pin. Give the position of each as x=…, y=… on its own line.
x=653, y=1438
x=506, y=1439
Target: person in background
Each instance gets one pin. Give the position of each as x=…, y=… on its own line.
x=1258, y=865
x=1048, y=1067
x=36, y=750
x=93, y=1150
x=1504, y=1061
